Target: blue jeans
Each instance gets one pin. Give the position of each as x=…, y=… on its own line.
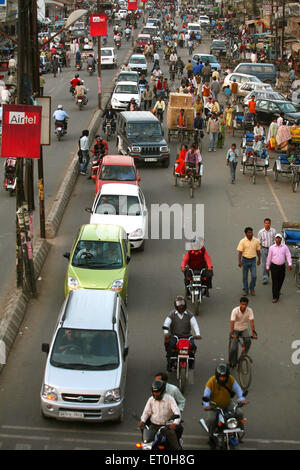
x=249, y=264
x=213, y=140
x=85, y=161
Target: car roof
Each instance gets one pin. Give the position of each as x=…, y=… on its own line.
x=120, y=188
x=138, y=116
x=241, y=74
x=90, y=309
x=124, y=160
x=104, y=232
x=144, y=35
x=107, y=48
x=126, y=82
x=137, y=55
x=131, y=72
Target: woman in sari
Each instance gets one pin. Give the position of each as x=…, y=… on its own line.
x=180, y=168
x=283, y=136
x=221, y=135
x=228, y=117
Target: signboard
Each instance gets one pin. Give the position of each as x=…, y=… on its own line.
x=3, y=3
x=98, y=25
x=132, y=5
x=21, y=131
x=45, y=103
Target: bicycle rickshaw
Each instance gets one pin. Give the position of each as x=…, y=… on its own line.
x=291, y=234
x=254, y=164
x=190, y=177
x=286, y=169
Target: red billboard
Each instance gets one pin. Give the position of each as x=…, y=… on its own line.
x=132, y=5
x=21, y=131
x=98, y=25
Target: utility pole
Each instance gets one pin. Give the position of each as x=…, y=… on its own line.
x=99, y=10
x=283, y=28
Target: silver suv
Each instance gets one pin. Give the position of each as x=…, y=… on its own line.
x=85, y=373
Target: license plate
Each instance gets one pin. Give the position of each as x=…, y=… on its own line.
x=70, y=414
x=150, y=159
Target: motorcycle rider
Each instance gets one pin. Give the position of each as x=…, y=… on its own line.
x=180, y=323
x=74, y=82
x=100, y=147
x=109, y=115
x=61, y=116
x=127, y=32
x=159, y=108
x=91, y=62
x=160, y=407
x=197, y=258
x=78, y=59
x=80, y=90
x=220, y=389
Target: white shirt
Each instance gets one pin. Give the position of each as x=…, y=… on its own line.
x=266, y=237
x=84, y=143
x=161, y=411
x=194, y=323
x=241, y=319
x=259, y=131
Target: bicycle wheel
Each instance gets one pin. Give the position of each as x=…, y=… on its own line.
x=297, y=273
x=245, y=371
x=294, y=181
x=254, y=174
x=192, y=187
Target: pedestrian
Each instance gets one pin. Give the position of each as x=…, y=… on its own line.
x=148, y=96
x=283, y=136
x=5, y=95
x=232, y=161
x=206, y=72
x=221, y=134
x=215, y=88
x=240, y=317
x=54, y=65
x=213, y=127
x=234, y=89
x=227, y=93
x=84, y=147
x=228, y=114
x=205, y=92
x=266, y=237
x=248, y=255
x=251, y=105
x=68, y=58
x=278, y=254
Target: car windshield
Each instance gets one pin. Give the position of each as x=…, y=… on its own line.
x=137, y=60
x=85, y=349
x=106, y=52
x=218, y=43
x=141, y=130
x=287, y=108
x=117, y=173
x=194, y=28
x=115, y=204
x=131, y=89
x=206, y=58
x=97, y=254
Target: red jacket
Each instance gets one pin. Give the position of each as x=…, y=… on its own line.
x=197, y=259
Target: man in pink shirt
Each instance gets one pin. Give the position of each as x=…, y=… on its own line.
x=277, y=256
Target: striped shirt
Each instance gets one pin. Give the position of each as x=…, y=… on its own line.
x=266, y=237
x=160, y=411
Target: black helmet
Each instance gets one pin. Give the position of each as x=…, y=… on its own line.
x=179, y=301
x=158, y=386
x=76, y=75
x=222, y=370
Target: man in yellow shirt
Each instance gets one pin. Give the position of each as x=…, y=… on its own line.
x=248, y=250
x=295, y=132
x=219, y=390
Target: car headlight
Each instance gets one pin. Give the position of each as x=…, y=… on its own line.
x=136, y=234
x=73, y=282
x=117, y=284
x=136, y=148
x=232, y=423
x=49, y=393
x=112, y=395
x=164, y=148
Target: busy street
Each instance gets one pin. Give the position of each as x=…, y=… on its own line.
x=222, y=169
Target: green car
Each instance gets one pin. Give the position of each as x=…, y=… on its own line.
x=99, y=259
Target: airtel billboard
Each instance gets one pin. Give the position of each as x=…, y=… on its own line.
x=21, y=131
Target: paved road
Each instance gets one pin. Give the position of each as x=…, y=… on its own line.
x=273, y=412
x=56, y=157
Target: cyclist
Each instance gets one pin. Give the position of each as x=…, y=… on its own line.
x=240, y=316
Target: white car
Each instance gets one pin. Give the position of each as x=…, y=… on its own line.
x=108, y=56
x=138, y=62
x=247, y=87
x=240, y=78
x=123, y=93
x=122, y=14
x=204, y=19
x=262, y=95
x=124, y=205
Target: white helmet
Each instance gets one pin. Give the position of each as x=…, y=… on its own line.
x=60, y=106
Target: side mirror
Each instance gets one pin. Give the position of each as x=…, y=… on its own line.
x=125, y=353
x=88, y=209
x=66, y=255
x=45, y=348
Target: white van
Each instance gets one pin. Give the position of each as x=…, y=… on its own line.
x=194, y=28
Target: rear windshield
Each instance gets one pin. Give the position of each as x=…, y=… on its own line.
x=218, y=43
x=85, y=349
x=127, y=77
x=106, y=52
x=117, y=173
x=255, y=69
x=137, y=60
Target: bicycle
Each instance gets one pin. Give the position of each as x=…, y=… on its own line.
x=244, y=364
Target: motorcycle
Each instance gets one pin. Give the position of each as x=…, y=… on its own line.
x=182, y=360
x=91, y=70
x=104, y=40
x=108, y=129
x=196, y=288
x=228, y=434
x=96, y=162
x=127, y=36
x=118, y=42
x=60, y=129
x=192, y=177
x=156, y=440
x=10, y=180
x=78, y=66
x=80, y=102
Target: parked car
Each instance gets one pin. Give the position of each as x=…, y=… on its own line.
x=211, y=59
x=108, y=56
x=128, y=77
x=263, y=94
x=267, y=110
x=124, y=205
x=140, y=135
x=123, y=94
x=99, y=260
x=218, y=46
x=86, y=367
x=265, y=72
x=247, y=87
x=138, y=63
x=45, y=65
x=117, y=169
x=240, y=78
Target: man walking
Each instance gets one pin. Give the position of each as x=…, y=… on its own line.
x=277, y=256
x=232, y=161
x=266, y=237
x=84, y=147
x=248, y=249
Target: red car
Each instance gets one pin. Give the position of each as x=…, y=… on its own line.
x=117, y=169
